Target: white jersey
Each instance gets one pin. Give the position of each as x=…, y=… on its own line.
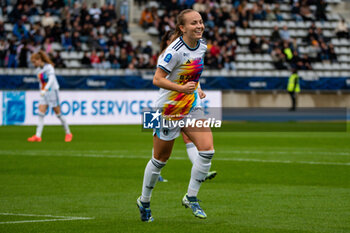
x=183, y=64
x=47, y=77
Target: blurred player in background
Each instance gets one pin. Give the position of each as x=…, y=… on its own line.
x=48, y=94
x=191, y=149
x=177, y=76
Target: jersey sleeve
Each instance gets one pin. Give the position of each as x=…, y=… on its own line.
x=169, y=60
x=50, y=72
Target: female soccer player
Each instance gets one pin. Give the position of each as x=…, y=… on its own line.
x=177, y=76
x=48, y=94
x=191, y=149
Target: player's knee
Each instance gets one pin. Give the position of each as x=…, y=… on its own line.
x=205, y=147
x=161, y=157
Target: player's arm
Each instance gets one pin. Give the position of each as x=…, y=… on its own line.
x=201, y=93
x=161, y=81
x=51, y=78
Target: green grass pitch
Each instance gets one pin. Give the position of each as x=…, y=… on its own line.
x=266, y=182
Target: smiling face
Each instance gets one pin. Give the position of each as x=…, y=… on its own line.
x=193, y=27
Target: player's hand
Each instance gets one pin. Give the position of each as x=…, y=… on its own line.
x=201, y=93
x=189, y=87
x=42, y=92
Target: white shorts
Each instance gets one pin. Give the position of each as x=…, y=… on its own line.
x=172, y=132
x=50, y=98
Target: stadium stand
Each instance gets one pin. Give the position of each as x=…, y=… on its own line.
x=245, y=38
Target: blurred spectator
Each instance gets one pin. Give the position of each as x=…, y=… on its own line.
x=111, y=12
x=270, y=16
x=85, y=61
x=57, y=59
x=306, y=64
x=20, y=31
x=94, y=59
x=275, y=36
x=3, y=50
x=284, y=33
x=2, y=30
x=123, y=25
x=296, y=62
x=342, y=30
x=199, y=6
x=324, y=52
x=313, y=52
x=296, y=12
x=228, y=64
x=139, y=48
x=115, y=64
x=76, y=41
x=48, y=46
x=278, y=59
x=131, y=70
x=211, y=62
x=277, y=12
x=254, y=46
x=332, y=55
x=105, y=64
x=67, y=41
x=111, y=55
x=321, y=6
x=146, y=19
x=148, y=49
x=56, y=32
x=264, y=45
x=123, y=59
x=102, y=43
x=12, y=53
x=305, y=11
x=258, y=11
x=95, y=12
x=47, y=20
x=287, y=51
x=124, y=9
x=215, y=49
x=16, y=13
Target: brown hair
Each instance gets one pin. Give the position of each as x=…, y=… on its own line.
x=42, y=56
x=163, y=43
x=180, y=20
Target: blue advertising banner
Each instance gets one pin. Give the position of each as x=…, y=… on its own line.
x=20, y=82
x=13, y=107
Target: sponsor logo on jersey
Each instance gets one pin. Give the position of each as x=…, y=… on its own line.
x=168, y=57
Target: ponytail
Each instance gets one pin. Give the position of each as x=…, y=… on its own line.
x=164, y=41
x=42, y=56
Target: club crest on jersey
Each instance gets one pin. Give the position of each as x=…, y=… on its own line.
x=168, y=57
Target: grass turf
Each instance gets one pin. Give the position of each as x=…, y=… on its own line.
x=267, y=182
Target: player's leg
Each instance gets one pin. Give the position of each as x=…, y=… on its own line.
x=40, y=126
x=191, y=149
x=192, y=153
x=161, y=153
x=203, y=139
x=69, y=135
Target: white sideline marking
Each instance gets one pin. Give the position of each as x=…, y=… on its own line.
x=73, y=154
x=56, y=218
x=221, y=152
